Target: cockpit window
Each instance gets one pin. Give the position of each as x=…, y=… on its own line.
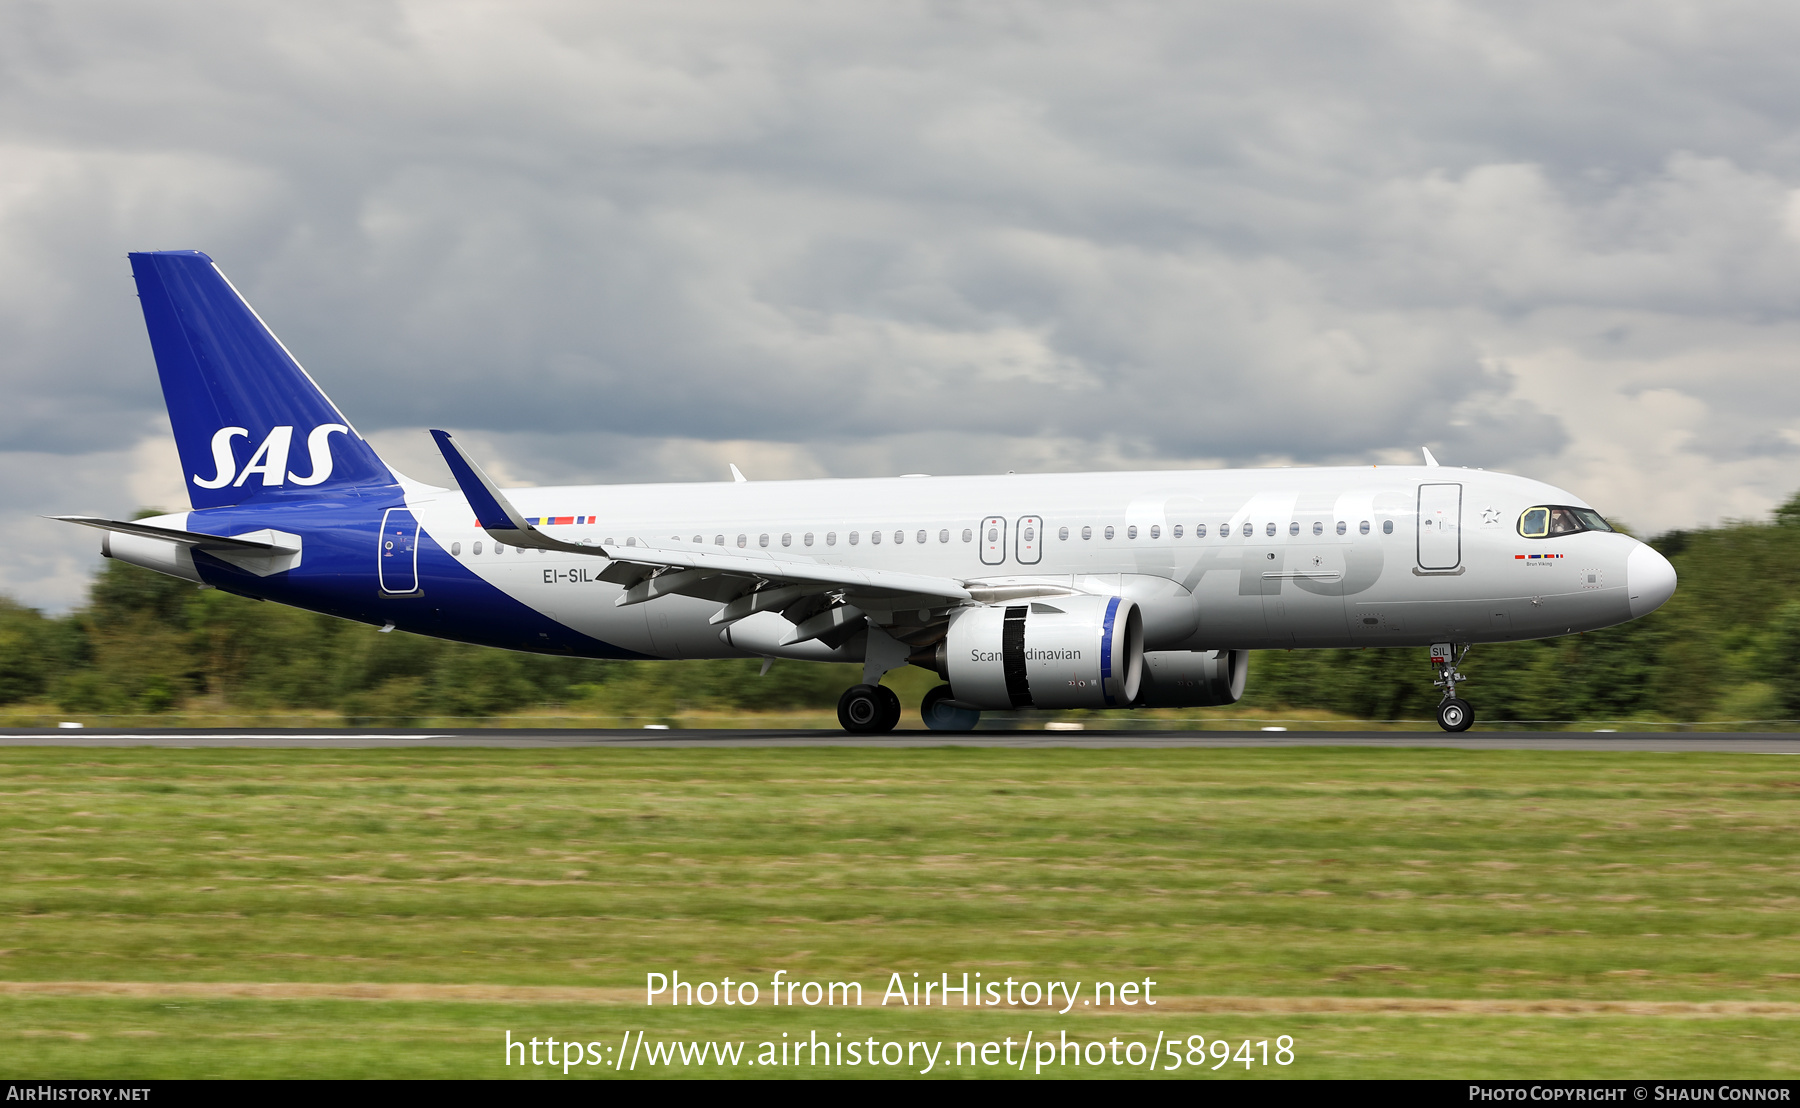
x=1552, y=520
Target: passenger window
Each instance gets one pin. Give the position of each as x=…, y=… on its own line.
x=1294, y=528
x=1130, y=532
x=808, y=539
x=500, y=548
x=1199, y=530
x=1178, y=530
x=1030, y=534
x=874, y=537
x=1387, y=526
x=1062, y=533
x=1342, y=527
x=718, y=540
x=968, y=534
x=831, y=538
x=899, y=537
x=1269, y=530
x=1109, y=531
x=944, y=535
x=743, y=541
x=787, y=540
x=1318, y=528
x=455, y=549
x=921, y=536
x=1364, y=527
x=698, y=540
x=1087, y=533
x=1249, y=528
x=1155, y=531
x=477, y=546
x=763, y=541
x=993, y=534
x=853, y=538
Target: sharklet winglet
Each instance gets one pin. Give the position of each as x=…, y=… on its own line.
x=493, y=510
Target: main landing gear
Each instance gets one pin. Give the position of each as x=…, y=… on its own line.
x=874, y=710
x=941, y=713
x=1453, y=712
x=868, y=709
x=871, y=708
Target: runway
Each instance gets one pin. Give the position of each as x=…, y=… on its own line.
x=399, y=738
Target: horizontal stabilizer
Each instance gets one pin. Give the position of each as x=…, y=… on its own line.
x=185, y=538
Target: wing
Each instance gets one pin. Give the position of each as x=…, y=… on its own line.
x=823, y=601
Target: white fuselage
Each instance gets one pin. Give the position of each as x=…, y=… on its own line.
x=1215, y=559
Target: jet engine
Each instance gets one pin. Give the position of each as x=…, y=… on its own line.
x=1067, y=652
x=1192, y=678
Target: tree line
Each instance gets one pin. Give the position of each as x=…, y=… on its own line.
x=1726, y=646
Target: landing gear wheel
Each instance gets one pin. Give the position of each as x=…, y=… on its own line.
x=890, y=708
x=1454, y=713
x=941, y=716
x=864, y=710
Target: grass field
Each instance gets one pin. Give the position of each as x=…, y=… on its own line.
x=1397, y=912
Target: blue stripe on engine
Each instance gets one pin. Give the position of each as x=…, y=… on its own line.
x=1106, y=636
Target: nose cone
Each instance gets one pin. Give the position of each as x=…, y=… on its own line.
x=1649, y=580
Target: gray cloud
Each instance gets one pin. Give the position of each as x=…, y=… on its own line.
x=632, y=243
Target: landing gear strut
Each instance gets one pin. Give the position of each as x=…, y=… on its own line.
x=868, y=709
x=1453, y=712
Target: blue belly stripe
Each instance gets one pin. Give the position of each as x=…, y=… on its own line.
x=1106, y=633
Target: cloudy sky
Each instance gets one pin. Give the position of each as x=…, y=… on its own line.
x=634, y=242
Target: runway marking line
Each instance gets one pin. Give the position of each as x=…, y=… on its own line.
x=1173, y=1005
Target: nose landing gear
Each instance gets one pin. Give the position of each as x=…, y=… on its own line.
x=1453, y=712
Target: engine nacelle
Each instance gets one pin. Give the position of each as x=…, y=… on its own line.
x=1192, y=678
x=1067, y=652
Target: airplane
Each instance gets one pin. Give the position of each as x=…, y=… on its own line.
x=1112, y=590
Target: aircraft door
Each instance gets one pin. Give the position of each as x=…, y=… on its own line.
x=1031, y=540
x=397, y=552
x=1440, y=526
x=993, y=541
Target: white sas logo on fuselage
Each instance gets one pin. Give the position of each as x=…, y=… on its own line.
x=271, y=458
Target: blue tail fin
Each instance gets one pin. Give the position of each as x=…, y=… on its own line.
x=248, y=420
